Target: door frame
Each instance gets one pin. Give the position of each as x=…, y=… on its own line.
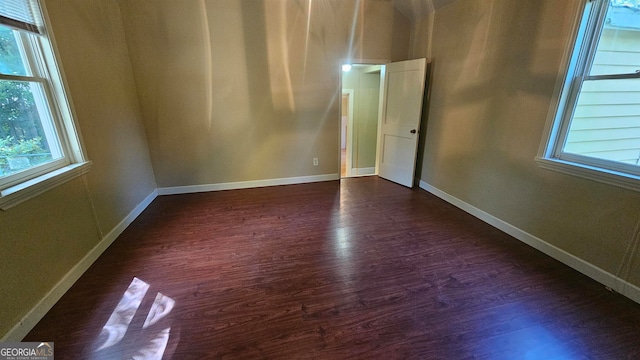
x=350, y=93
x=381, y=108
x=382, y=63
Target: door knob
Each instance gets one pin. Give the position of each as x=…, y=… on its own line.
x=413, y=131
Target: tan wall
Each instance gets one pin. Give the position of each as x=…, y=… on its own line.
x=43, y=238
x=227, y=93
x=366, y=88
x=367, y=124
x=495, y=67
x=239, y=90
x=420, y=38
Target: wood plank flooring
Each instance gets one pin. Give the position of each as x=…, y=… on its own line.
x=362, y=270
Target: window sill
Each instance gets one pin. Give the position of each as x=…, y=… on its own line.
x=606, y=176
x=17, y=194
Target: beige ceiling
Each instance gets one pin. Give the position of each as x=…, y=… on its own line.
x=418, y=9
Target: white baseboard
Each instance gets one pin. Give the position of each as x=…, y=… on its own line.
x=363, y=171
x=246, y=184
x=21, y=329
x=617, y=284
x=27, y=323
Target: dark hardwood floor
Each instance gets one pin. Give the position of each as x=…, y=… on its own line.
x=365, y=269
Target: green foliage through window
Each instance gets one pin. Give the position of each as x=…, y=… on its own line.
x=10, y=58
x=14, y=153
x=22, y=140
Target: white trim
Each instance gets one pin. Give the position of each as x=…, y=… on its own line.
x=380, y=62
x=617, y=284
x=350, y=93
x=29, y=321
x=382, y=103
x=42, y=53
x=361, y=61
x=62, y=100
x=364, y=171
x=579, y=52
x=559, y=97
x=24, y=191
x=246, y=184
x=611, y=177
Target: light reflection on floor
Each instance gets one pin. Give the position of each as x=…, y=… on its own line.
x=533, y=343
x=528, y=338
x=342, y=243
x=122, y=337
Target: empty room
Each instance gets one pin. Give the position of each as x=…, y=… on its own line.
x=172, y=180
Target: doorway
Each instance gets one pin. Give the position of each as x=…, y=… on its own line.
x=383, y=119
x=359, y=121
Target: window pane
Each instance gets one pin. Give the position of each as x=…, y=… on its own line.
x=27, y=135
x=23, y=14
x=606, y=121
x=10, y=58
x=618, y=50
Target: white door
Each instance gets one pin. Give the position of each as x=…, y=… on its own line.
x=402, y=95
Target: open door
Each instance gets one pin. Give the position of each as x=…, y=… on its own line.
x=401, y=108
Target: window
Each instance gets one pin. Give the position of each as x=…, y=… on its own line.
x=39, y=147
x=594, y=128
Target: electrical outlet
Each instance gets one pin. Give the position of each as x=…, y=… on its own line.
x=315, y=161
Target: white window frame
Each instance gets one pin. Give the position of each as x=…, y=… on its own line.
x=586, y=30
x=41, y=53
